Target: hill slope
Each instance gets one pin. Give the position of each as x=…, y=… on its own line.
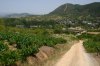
x=92, y=9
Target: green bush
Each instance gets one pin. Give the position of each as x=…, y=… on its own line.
x=8, y=58
x=92, y=44
x=3, y=47
x=27, y=44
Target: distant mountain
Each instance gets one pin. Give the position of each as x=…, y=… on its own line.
x=68, y=9
x=16, y=15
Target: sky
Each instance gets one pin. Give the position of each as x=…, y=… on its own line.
x=36, y=6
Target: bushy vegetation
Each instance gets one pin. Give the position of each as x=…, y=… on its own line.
x=26, y=44
x=27, y=23
x=81, y=11
x=92, y=42
x=92, y=46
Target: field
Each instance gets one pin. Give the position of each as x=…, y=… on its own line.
x=36, y=34
x=17, y=46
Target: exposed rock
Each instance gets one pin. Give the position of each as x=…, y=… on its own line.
x=41, y=56
x=18, y=63
x=6, y=42
x=47, y=50
x=31, y=60
x=44, y=52
x=14, y=45
x=11, y=47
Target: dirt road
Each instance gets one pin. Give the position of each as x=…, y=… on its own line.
x=77, y=56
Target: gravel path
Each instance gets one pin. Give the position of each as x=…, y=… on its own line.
x=77, y=56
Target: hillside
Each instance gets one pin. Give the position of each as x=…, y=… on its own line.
x=69, y=15
x=92, y=9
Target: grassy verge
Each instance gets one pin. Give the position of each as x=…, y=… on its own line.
x=91, y=43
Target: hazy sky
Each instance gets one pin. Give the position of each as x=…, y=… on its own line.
x=36, y=6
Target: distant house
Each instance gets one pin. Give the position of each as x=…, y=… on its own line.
x=84, y=22
x=89, y=23
x=33, y=26
x=76, y=29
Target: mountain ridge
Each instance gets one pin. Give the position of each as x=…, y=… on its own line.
x=92, y=9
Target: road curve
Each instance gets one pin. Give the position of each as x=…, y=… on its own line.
x=77, y=56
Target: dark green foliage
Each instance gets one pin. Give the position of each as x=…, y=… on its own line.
x=8, y=58
x=27, y=23
x=85, y=36
x=76, y=10
x=27, y=44
x=3, y=47
x=92, y=44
